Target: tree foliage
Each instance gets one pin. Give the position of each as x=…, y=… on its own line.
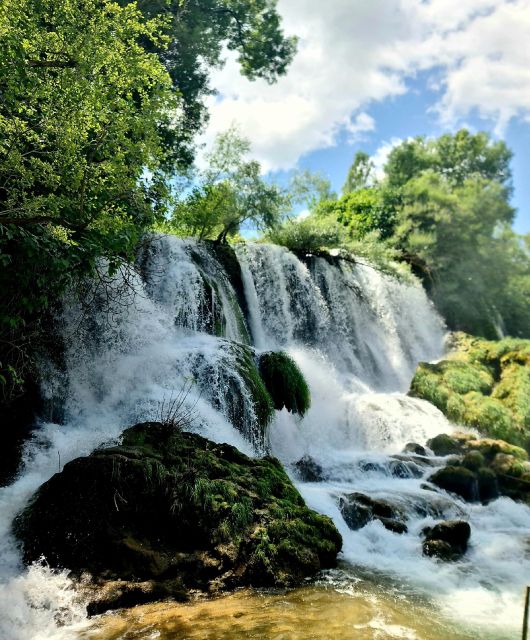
x=455, y=157
x=198, y=32
x=361, y=174
x=99, y=104
x=229, y=195
x=366, y=210
x=455, y=223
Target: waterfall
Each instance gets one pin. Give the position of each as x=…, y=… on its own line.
x=180, y=321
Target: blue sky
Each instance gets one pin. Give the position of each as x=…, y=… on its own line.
x=369, y=72
x=409, y=115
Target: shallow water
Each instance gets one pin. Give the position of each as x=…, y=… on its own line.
x=337, y=608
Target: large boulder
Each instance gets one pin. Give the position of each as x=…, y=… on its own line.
x=177, y=512
x=457, y=480
x=446, y=540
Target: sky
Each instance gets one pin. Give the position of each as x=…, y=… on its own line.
x=370, y=73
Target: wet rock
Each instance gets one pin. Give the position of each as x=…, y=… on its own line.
x=447, y=540
x=405, y=468
x=393, y=525
x=415, y=448
x=103, y=596
x=488, y=485
x=309, y=470
x=457, y=480
x=358, y=510
x=444, y=445
x=179, y=511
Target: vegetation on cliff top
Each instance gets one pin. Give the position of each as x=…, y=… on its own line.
x=442, y=207
x=482, y=384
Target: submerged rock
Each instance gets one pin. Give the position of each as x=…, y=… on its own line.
x=415, y=448
x=447, y=540
x=358, y=510
x=180, y=512
x=309, y=470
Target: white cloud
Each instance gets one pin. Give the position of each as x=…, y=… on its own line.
x=380, y=157
x=354, y=52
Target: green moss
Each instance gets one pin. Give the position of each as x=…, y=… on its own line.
x=285, y=382
x=482, y=384
x=247, y=369
x=208, y=511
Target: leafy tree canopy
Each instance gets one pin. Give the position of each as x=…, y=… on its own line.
x=198, y=32
x=455, y=157
x=229, y=194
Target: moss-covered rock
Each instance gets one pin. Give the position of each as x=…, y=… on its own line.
x=285, y=382
x=263, y=405
x=179, y=510
x=444, y=445
x=481, y=468
x=447, y=540
x=482, y=384
x=456, y=479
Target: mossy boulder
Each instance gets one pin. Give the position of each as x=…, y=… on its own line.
x=457, y=480
x=446, y=540
x=481, y=468
x=482, y=384
x=285, y=382
x=180, y=512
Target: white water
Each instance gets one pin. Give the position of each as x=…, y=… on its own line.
x=357, y=336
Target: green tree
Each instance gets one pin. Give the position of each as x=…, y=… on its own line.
x=82, y=103
x=198, y=32
x=456, y=157
x=361, y=174
x=364, y=211
x=457, y=233
x=229, y=195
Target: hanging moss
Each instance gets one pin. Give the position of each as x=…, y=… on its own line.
x=262, y=401
x=482, y=384
x=285, y=382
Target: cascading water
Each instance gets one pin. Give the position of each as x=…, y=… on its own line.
x=357, y=336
